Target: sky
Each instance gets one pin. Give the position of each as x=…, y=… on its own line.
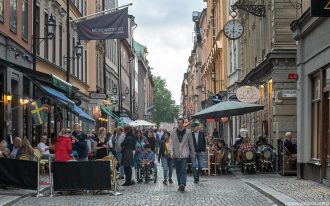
x=166, y=28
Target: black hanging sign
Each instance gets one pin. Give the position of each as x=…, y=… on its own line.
x=320, y=8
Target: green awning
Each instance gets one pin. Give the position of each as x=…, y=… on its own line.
x=111, y=114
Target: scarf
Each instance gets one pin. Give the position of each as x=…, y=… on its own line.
x=180, y=134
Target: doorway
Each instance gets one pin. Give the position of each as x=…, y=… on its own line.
x=326, y=138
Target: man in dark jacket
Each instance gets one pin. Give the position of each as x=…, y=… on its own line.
x=80, y=143
x=200, y=146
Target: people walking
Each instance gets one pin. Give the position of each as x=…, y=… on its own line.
x=128, y=147
x=152, y=140
x=80, y=139
x=119, y=140
x=181, y=146
x=139, y=147
x=164, y=156
x=100, y=144
x=200, y=147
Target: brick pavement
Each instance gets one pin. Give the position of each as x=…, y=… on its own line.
x=225, y=190
x=304, y=192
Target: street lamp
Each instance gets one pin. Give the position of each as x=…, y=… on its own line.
x=79, y=48
x=9, y=97
x=213, y=75
x=126, y=91
x=123, y=96
x=51, y=26
x=114, y=89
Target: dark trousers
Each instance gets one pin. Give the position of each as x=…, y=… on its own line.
x=181, y=171
x=128, y=173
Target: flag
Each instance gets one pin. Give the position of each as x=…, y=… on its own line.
x=108, y=26
x=38, y=113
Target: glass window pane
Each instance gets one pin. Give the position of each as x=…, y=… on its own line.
x=25, y=19
x=316, y=88
x=13, y=15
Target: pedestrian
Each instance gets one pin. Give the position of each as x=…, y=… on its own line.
x=80, y=141
x=119, y=139
x=63, y=146
x=164, y=156
x=289, y=144
x=152, y=140
x=112, y=144
x=181, y=146
x=128, y=147
x=25, y=152
x=139, y=148
x=100, y=145
x=200, y=147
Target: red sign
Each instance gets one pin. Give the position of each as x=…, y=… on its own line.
x=292, y=76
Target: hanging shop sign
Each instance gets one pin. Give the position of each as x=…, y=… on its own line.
x=95, y=95
x=249, y=94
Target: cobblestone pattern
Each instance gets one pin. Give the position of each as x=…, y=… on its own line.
x=224, y=190
x=304, y=191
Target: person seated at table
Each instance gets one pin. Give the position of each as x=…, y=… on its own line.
x=42, y=146
x=26, y=151
x=246, y=146
x=4, y=151
x=15, y=147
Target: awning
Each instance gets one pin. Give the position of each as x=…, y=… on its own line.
x=141, y=122
x=111, y=114
x=126, y=120
x=59, y=95
x=83, y=116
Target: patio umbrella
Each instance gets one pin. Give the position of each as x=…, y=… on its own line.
x=138, y=123
x=227, y=109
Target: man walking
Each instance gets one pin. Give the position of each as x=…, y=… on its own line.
x=120, y=137
x=200, y=146
x=181, y=146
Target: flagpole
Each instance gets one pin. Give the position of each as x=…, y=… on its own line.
x=101, y=12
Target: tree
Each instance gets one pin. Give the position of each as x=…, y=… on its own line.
x=165, y=109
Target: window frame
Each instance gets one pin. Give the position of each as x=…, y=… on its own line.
x=25, y=19
x=12, y=27
x=315, y=127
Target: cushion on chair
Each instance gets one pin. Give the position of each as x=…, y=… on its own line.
x=249, y=155
x=267, y=154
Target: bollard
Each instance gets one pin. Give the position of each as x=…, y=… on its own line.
x=50, y=176
x=38, y=183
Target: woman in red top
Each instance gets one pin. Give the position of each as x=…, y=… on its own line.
x=63, y=146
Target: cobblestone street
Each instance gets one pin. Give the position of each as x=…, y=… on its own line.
x=224, y=190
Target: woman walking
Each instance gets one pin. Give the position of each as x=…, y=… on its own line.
x=139, y=147
x=101, y=145
x=151, y=140
x=164, y=155
x=128, y=146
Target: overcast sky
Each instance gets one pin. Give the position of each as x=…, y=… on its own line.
x=165, y=27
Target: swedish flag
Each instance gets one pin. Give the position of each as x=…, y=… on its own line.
x=38, y=113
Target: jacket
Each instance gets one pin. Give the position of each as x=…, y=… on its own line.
x=63, y=149
x=199, y=146
x=161, y=150
x=81, y=146
x=181, y=150
x=128, y=146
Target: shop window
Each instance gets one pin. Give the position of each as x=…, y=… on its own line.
x=13, y=15
x=316, y=94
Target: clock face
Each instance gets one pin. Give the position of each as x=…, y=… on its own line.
x=233, y=29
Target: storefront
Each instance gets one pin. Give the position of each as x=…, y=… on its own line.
x=312, y=34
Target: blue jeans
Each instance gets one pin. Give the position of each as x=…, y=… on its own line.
x=196, y=166
x=167, y=164
x=121, y=168
x=181, y=171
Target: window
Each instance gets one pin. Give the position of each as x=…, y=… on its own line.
x=60, y=45
x=13, y=15
x=316, y=94
x=85, y=7
x=25, y=17
x=54, y=47
x=45, y=35
x=78, y=66
x=85, y=75
x=38, y=28
x=73, y=70
x=2, y=10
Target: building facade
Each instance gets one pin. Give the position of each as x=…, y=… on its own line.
x=313, y=95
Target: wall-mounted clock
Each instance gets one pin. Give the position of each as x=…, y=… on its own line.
x=233, y=29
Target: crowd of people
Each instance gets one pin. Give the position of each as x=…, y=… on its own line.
x=134, y=148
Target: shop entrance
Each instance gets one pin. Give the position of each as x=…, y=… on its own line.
x=326, y=138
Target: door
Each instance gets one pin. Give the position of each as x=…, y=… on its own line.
x=326, y=138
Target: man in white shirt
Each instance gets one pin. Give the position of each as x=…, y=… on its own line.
x=43, y=147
